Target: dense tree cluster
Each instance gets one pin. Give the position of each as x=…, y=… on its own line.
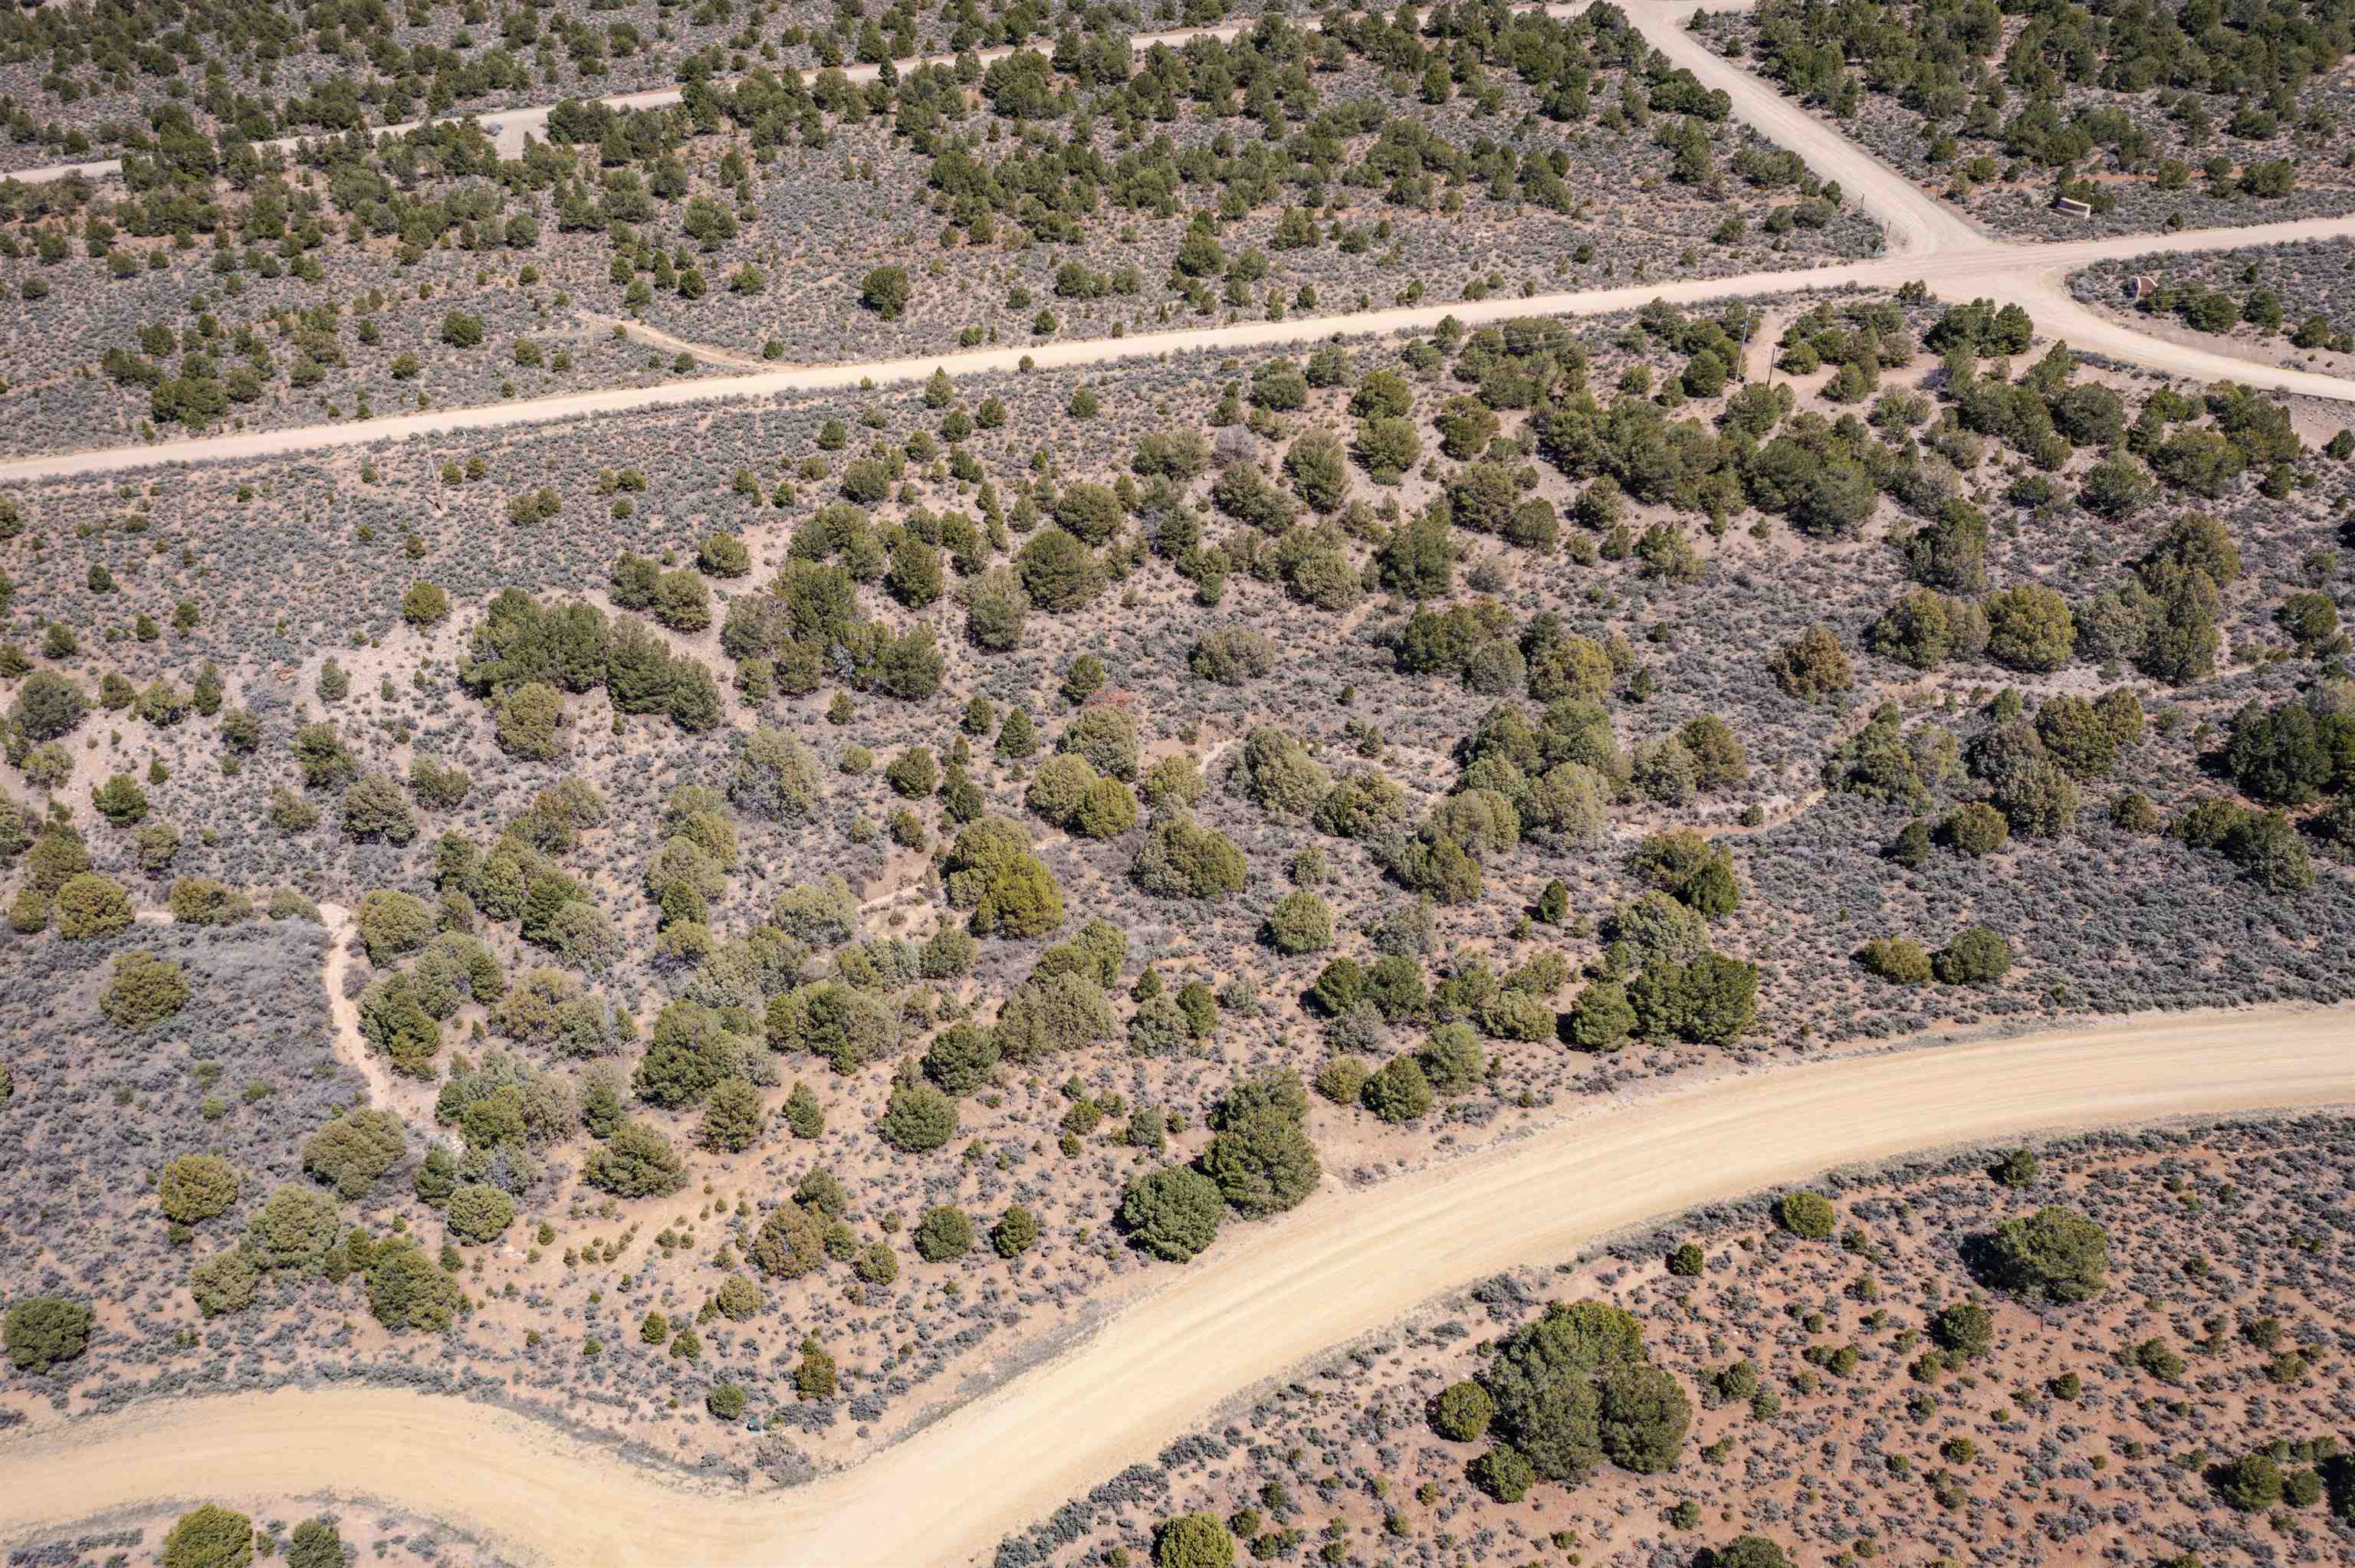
x=1985, y=92
x=1563, y=1395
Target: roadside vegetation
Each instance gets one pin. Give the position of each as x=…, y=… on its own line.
x=2166, y=117
x=1732, y=1391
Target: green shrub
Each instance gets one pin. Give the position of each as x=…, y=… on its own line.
x=374, y=807
x=1897, y=959
x=960, y=1058
x=1462, y=1413
x=353, y=1150
x=1181, y=859
x=2029, y=628
x=1644, y=1416
x=293, y=1228
x=47, y=706
x=144, y=990
x=738, y=1299
x=804, y=1115
x=2054, y=1255
x=407, y=1290
x=1976, y=957
x=1710, y=1000
x=733, y=1117
x=1452, y=1060
x=2251, y=1483
x=943, y=1234
x=1262, y=1158
x=1806, y=1214
x=425, y=604
x=92, y=906
x=1748, y=1551
x=815, y=1376
x=315, y=1543
x=226, y=1282
x=1965, y=1328
x=1600, y=1019
x=1975, y=828
x=1504, y=1473
x=1814, y=666
x=886, y=291
x=1300, y=923
x=393, y=924
x=1193, y=1540
x=1343, y=1079
x=918, y=1118
x=203, y=901
x=480, y=1213
x=209, y=1537
x=1575, y=1388
x=1172, y=1213
x=1399, y=1091
x=636, y=1161
x=1016, y=1232
x=394, y=1021
x=44, y=1330
x=194, y=1188
x=790, y=1242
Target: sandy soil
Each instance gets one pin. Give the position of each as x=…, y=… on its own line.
x=1340, y=1266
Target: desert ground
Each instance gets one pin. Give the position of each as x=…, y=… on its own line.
x=829, y=785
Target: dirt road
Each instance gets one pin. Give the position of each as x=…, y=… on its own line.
x=351, y=1046
x=1266, y=1299
x=1914, y=222
x=1929, y=241
x=2029, y=274
x=511, y=128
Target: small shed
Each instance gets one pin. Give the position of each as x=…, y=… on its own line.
x=2142, y=286
x=2071, y=208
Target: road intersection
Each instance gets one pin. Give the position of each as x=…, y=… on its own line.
x=1928, y=240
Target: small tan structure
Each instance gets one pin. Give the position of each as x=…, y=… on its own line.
x=2073, y=207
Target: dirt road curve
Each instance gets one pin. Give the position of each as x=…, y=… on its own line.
x=1266, y=1299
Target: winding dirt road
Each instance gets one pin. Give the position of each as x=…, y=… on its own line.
x=1345, y=1263
x=1265, y=1299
